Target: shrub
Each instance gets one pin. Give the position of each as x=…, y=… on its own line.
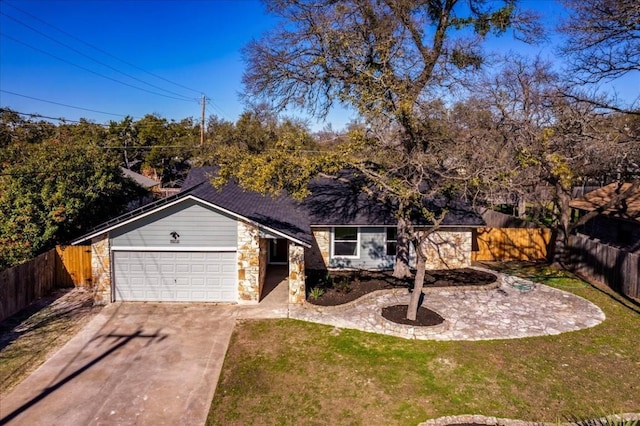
x=316, y=292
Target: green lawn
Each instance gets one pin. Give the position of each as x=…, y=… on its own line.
x=292, y=372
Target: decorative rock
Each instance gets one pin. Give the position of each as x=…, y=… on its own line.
x=469, y=314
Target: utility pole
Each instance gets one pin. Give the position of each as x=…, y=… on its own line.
x=204, y=99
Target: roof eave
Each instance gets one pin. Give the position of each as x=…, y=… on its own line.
x=101, y=231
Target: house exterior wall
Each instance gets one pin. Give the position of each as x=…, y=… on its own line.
x=262, y=271
x=297, y=290
x=248, y=256
x=197, y=225
x=101, y=269
x=372, y=251
x=317, y=257
x=448, y=249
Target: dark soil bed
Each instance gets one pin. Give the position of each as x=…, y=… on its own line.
x=338, y=287
x=398, y=314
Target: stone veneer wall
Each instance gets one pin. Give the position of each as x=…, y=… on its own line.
x=248, y=263
x=317, y=257
x=297, y=290
x=264, y=249
x=448, y=249
x=101, y=269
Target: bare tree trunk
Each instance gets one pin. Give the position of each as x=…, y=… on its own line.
x=561, y=251
x=126, y=157
x=401, y=267
x=416, y=296
x=522, y=206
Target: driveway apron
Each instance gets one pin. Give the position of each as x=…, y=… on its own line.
x=132, y=364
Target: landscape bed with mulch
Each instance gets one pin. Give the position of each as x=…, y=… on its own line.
x=334, y=288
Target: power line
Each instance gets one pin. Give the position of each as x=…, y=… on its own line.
x=91, y=71
x=216, y=106
x=61, y=104
x=90, y=57
x=36, y=115
x=100, y=50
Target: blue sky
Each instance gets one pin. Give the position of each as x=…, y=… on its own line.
x=193, y=45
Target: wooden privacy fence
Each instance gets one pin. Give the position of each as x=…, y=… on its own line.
x=501, y=244
x=74, y=266
x=58, y=268
x=618, y=269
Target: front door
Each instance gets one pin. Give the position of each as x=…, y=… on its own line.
x=278, y=251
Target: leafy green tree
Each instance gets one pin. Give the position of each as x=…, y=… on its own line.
x=84, y=131
x=15, y=128
x=219, y=132
x=256, y=130
x=172, y=144
x=55, y=190
x=123, y=138
x=388, y=60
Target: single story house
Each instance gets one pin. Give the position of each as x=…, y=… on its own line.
x=214, y=245
x=618, y=225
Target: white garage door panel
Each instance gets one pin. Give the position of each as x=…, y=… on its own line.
x=175, y=276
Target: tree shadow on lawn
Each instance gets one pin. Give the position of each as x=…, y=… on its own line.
x=43, y=312
x=543, y=272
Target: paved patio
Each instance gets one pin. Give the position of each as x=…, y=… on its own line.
x=513, y=308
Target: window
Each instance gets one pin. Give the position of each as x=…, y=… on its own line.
x=345, y=242
x=392, y=241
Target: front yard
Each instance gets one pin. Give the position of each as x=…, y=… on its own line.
x=292, y=372
x=30, y=337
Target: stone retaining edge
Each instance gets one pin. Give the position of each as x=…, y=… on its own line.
x=402, y=291
x=496, y=421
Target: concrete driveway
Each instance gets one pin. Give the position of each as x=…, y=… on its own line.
x=132, y=364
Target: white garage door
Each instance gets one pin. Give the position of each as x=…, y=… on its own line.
x=175, y=276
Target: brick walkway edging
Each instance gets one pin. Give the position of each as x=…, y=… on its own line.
x=495, y=421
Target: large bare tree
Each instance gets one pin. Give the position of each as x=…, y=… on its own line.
x=390, y=60
x=602, y=44
x=552, y=139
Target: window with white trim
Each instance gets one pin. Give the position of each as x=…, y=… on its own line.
x=391, y=241
x=345, y=242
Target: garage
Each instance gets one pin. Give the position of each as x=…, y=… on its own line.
x=175, y=276
x=203, y=244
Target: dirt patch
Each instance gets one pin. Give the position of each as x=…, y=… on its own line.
x=31, y=336
x=425, y=317
x=338, y=287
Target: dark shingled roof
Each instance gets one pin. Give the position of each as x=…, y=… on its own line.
x=332, y=202
x=342, y=202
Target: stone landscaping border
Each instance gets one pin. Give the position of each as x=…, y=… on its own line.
x=511, y=308
x=615, y=419
x=402, y=291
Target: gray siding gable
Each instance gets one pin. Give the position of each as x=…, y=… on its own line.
x=197, y=225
